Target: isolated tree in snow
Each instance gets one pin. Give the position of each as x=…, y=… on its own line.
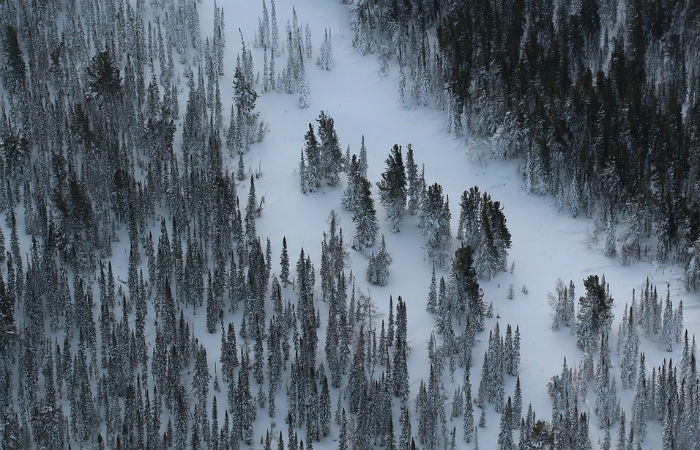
x=325, y=59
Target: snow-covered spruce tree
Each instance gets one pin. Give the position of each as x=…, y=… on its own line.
x=392, y=187
x=610, y=237
x=435, y=224
x=412, y=182
x=357, y=378
x=606, y=406
x=331, y=156
x=284, y=262
x=640, y=405
x=630, y=344
x=400, y=367
x=482, y=225
x=557, y=303
x=595, y=312
x=667, y=331
x=362, y=158
x=431, y=303
x=325, y=58
x=378, y=268
x=404, y=441
x=364, y=217
x=311, y=167
x=468, y=408
x=505, y=436
x=212, y=308
x=465, y=295
x=304, y=90
x=349, y=195
x=246, y=129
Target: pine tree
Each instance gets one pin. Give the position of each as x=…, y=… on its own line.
x=413, y=185
x=364, y=217
x=313, y=167
x=357, y=378
x=404, y=442
x=595, y=312
x=668, y=332
x=517, y=404
x=362, y=160
x=350, y=194
x=516, y=352
x=251, y=214
x=610, y=238
x=621, y=434
x=343, y=434
x=431, y=305
x=466, y=295
x=392, y=188
x=7, y=320
x=678, y=322
x=668, y=437
x=284, y=262
x=640, y=404
x=212, y=308
x=435, y=224
x=468, y=408
x=331, y=155
x=325, y=59
x=505, y=436
x=378, y=269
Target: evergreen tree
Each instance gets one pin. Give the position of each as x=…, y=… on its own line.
x=392, y=187
x=412, y=182
x=331, y=156
x=517, y=404
x=378, y=268
x=668, y=332
x=595, y=312
x=14, y=69
x=435, y=224
x=505, y=436
x=312, y=173
x=468, y=408
x=431, y=305
x=212, y=309
x=364, y=217
x=284, y=262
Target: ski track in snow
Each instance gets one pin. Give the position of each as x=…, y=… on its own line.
x=546, y=245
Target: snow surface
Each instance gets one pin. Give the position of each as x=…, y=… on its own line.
x=546, y=245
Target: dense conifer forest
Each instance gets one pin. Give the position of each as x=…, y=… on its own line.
x=145, y=304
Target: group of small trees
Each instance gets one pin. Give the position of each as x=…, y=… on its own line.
x=653, y=391
x=482, y=225
x=321, y=161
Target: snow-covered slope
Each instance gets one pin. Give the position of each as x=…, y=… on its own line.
x=546, y=245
